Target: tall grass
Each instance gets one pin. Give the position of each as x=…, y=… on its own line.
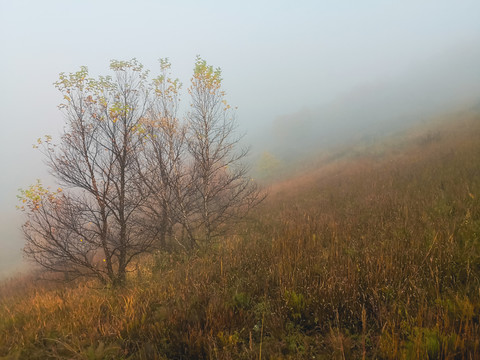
x=374, y=256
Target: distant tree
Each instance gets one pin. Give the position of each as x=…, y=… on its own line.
x=268, y=165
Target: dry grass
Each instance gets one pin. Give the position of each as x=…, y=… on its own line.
x=375, y=256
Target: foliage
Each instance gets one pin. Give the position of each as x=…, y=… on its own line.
x=268, y=165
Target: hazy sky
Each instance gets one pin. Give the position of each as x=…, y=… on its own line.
x=277, y=57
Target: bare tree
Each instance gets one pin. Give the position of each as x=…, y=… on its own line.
x=195, y=173
x=168, y=176
x=96, y=161
x=136, y=177
x=224, y=191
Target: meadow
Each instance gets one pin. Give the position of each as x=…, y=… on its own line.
x=374, y=254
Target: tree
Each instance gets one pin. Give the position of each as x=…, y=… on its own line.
x=99, y=218
x=195, y=172
x=136, y=178
x=224, y=191
x=167, y=175
x=268, y=165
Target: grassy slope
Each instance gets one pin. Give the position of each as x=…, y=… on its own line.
x=374, y=256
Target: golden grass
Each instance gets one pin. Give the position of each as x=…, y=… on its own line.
x=374, y=256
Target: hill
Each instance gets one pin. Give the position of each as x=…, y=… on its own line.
x=372, y=111
x=374, y=253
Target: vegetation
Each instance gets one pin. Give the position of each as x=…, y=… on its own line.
x=137, y=177
x=375, y=256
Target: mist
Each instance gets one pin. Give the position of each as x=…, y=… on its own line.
x=446, y=83
x=305, y=76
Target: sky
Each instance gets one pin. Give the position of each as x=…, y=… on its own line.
x=277, y=57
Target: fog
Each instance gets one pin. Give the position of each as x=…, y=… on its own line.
x=303, y=74
x=446, y=83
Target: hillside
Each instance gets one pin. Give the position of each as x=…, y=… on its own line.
x=374, y=253
x=371, y=111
